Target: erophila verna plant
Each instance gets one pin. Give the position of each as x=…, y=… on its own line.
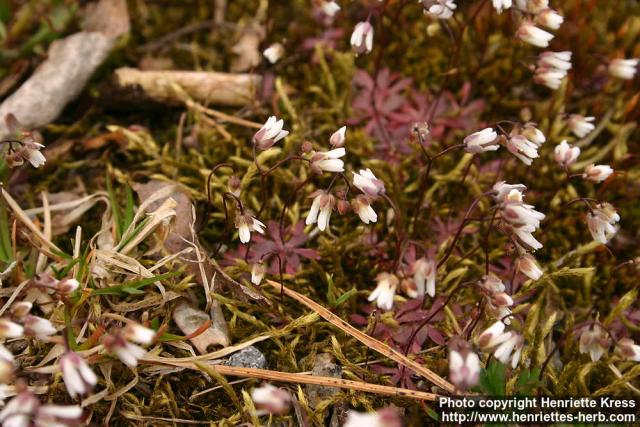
x=439, y=197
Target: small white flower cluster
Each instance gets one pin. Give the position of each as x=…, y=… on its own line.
x=26, y=410
x=482, y=141
x=624, y=69
x=362, y=38
x=524, y=142
x=416, y=279
x=246, y=223
x=28, y=145
x=274, y=52
x=596, y=341
x=324, y=202
x=601, y=222
x=121, y=343
x=464, y=365
x=499, y=303
x=519, y=219
x=423, y=281
x=385, y=417
x=552, y=68
x=506, y=346
x=581, y=126
x=541, y=15
x=385, y=290
x=269, y=399
x=597, y=173
x=565, y=154
x=440, y=9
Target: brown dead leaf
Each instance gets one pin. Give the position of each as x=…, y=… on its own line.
x=247, y=48
x=190, y=320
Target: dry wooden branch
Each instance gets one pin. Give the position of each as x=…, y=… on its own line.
x=203, y=86
x=372, y=343
x=265, y=374
x=69, y=65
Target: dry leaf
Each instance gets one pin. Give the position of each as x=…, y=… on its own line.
x=190, y=319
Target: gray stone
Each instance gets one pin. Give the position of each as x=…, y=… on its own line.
x=249, y=357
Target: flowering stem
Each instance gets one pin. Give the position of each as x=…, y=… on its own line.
x=422, y=189
x=462, y=225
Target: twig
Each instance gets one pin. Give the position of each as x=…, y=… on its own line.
x=373, y=343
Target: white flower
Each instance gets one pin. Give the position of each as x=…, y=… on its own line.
x=531, y=34
x=7, y=366
x=270, y=133
x=502, y=190
x=498, y=302
x=330, y=8
x=362, y=206
x=464, y=372
x=557, y=60
x=424, y=276
x=9, y=329
x=328, y=161
x=601, y=222
x=549, y=77
x=581, y=126
x=533, y=134
x=624, y=68
x=501, y=5
x=482, y=141
x=532, y=6
x=245, y=224
x=362, y=38
x=528, y=266
x=274, y=52
x=33, y=155
x=367, y=182
x=257, y=273
x=441, y=9
x=517, y=217
x=127, y=352
x=594, y=341
x=321, y=209
x=493, y=336
x=338, y=137
x=549, y=18
x=386, y=417
x=19, y=410
x=628, y=349
x=510, y=349
x=138, y=333
x=522, y=148
x=384, y=291
x=525, y=237
x=565, y=155
x=57, y=416
x=271, y=399
x=77, y=375
x=21, y=309
x=38, y=327
x=597, y=173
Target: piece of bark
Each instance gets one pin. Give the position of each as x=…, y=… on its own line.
x=208, y=87
x=69, y=65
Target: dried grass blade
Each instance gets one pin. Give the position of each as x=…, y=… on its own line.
x=370, y=342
